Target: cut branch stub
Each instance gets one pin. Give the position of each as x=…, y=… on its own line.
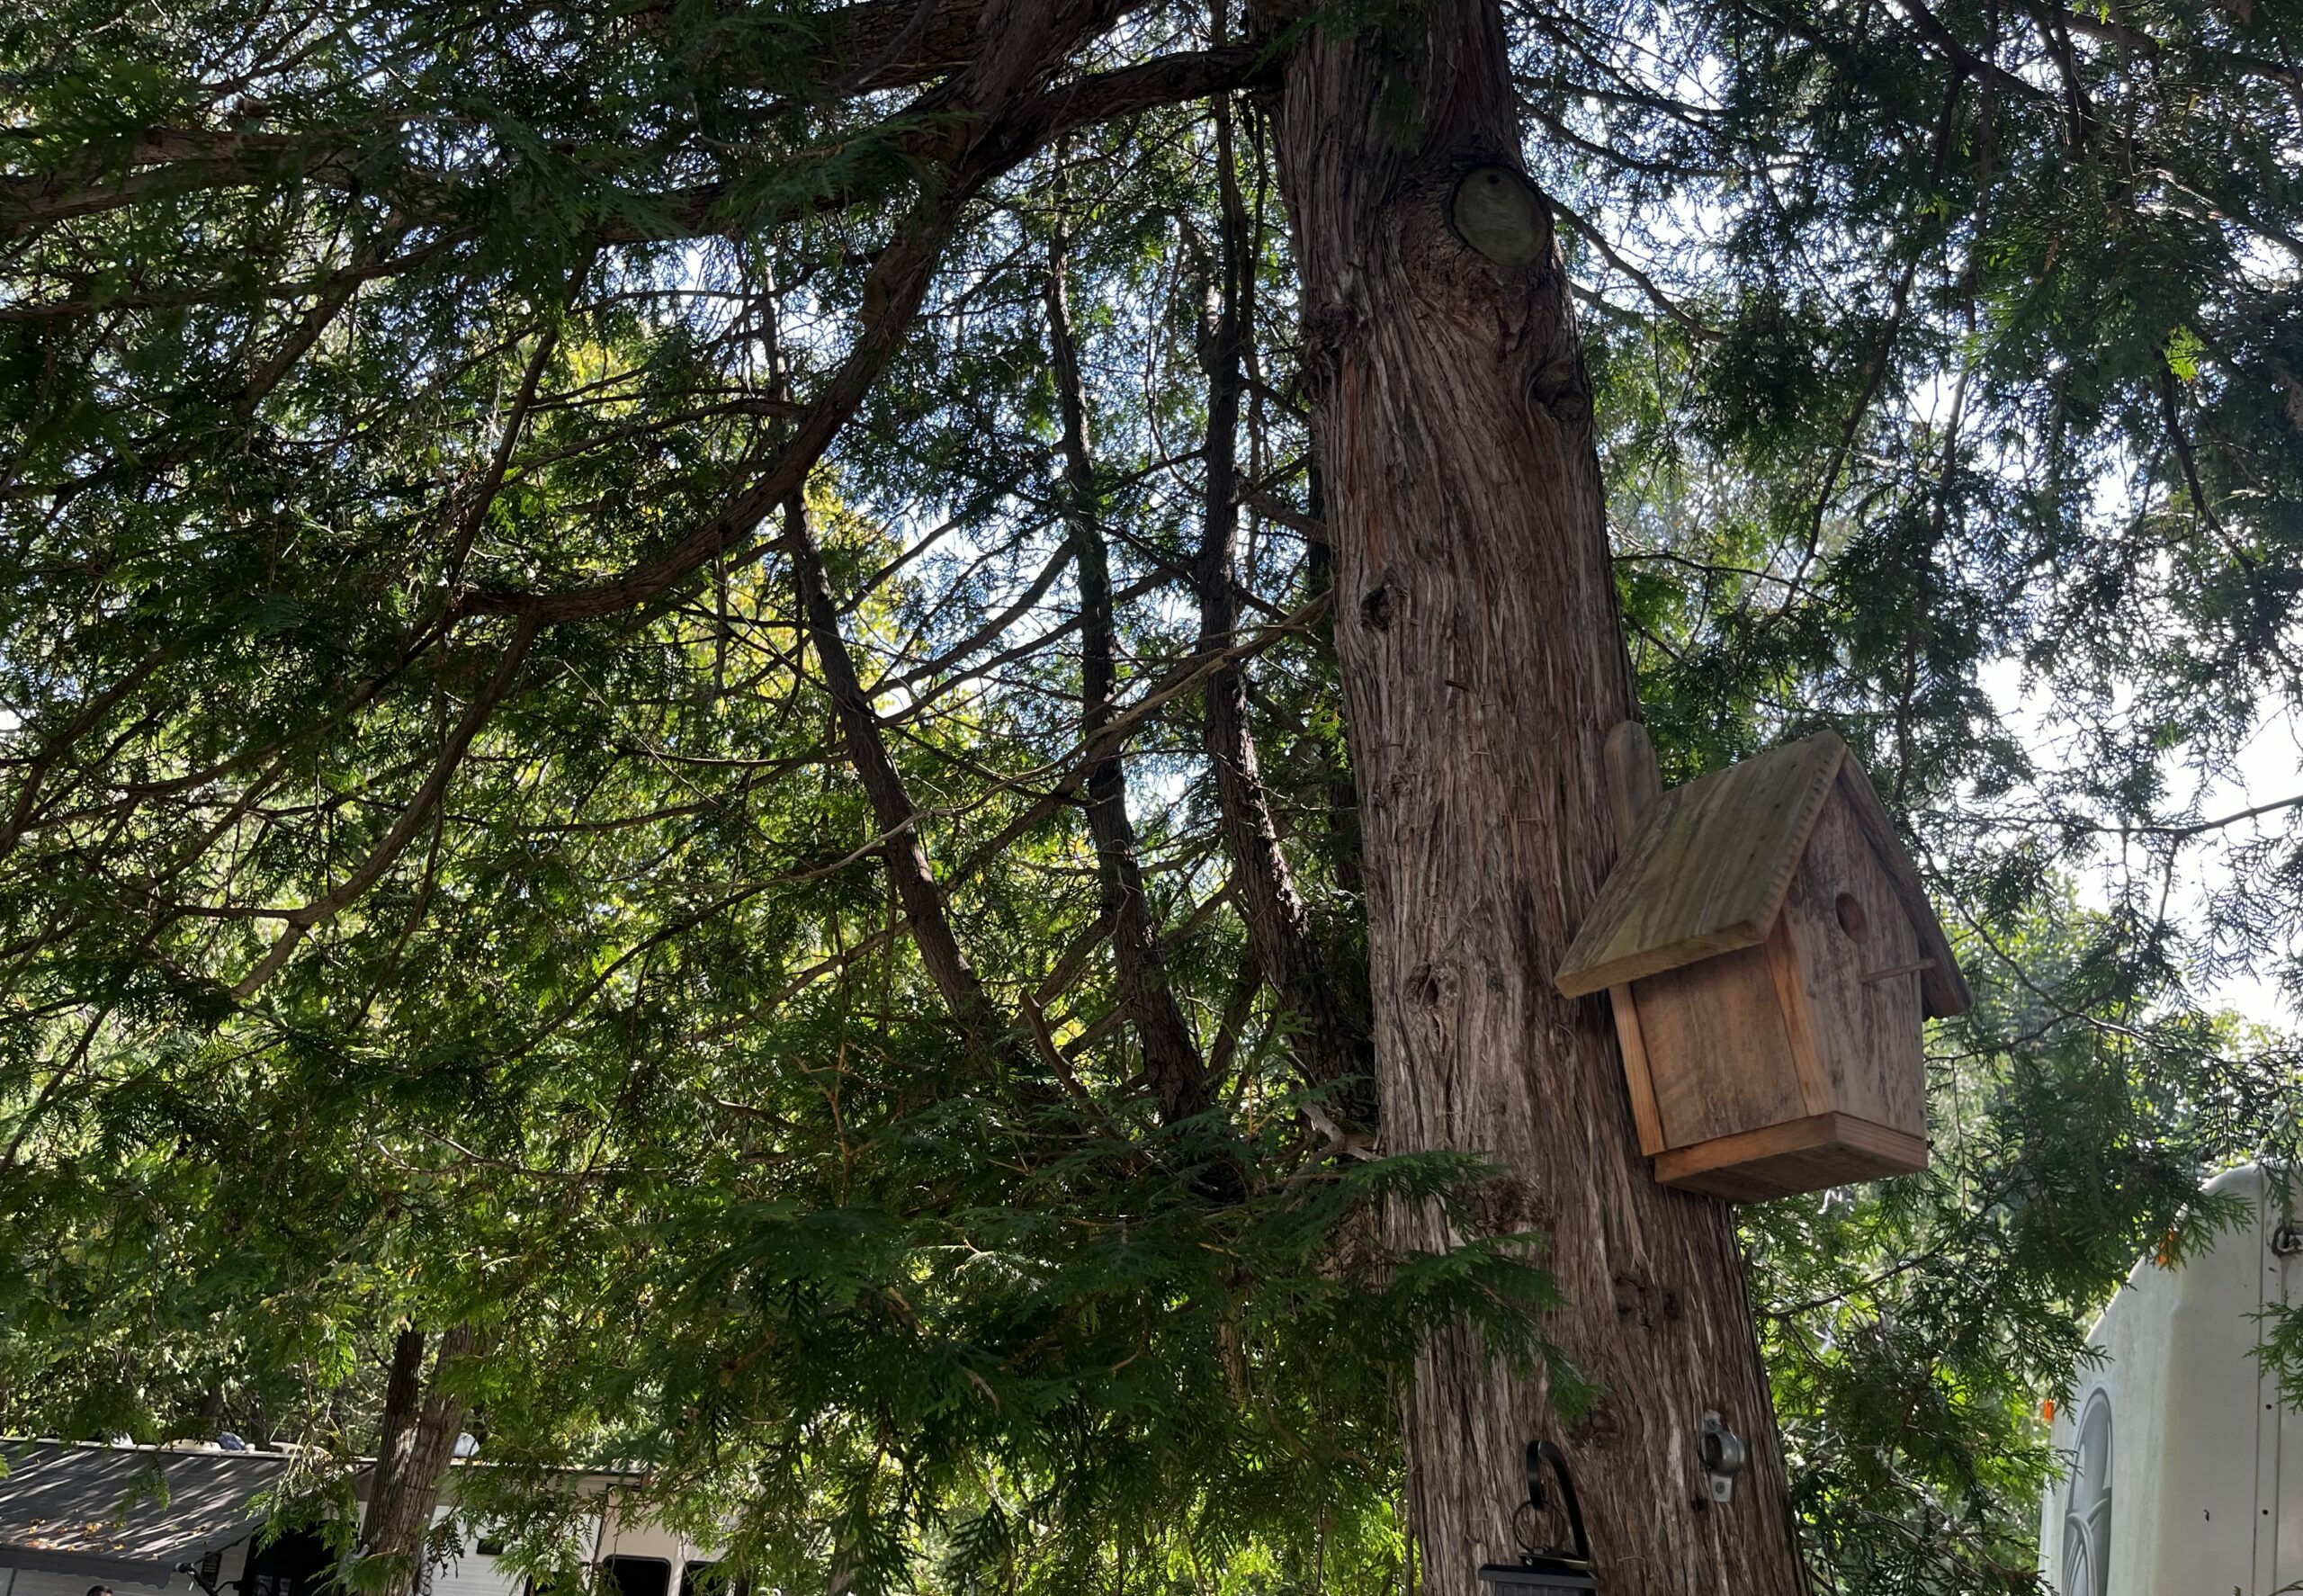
x=1497, y=211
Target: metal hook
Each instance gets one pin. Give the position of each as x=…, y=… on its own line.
x=1540, y=1453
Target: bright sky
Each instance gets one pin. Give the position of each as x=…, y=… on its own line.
x=2268, y=769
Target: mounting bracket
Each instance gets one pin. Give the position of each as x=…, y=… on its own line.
x=1724, y=1456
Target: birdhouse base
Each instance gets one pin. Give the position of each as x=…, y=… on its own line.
x=1808, y=1154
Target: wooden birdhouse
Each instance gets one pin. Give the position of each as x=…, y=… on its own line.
x=1770, y=956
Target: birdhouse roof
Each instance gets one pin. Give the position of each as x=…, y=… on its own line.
x=1708, y=869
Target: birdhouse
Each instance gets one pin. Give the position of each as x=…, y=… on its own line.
x=1771, y=957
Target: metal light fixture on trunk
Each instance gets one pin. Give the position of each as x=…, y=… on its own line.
x=1544, y=1569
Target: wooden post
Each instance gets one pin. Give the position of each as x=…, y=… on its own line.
x=1634, y=783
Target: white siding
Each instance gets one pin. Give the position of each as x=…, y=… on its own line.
x=469, y=1573
x=2208, y=1463
x=617, y=1532
x=2279, y=1520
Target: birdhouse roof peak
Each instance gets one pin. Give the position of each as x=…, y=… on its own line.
x=1711, y=863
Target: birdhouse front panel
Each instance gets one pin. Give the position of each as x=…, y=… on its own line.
x=1715, y=1037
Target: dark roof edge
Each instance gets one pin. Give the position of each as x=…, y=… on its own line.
x=89, y=1566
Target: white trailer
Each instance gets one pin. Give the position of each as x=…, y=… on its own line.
x=2185, y=1469
x=637, y=1556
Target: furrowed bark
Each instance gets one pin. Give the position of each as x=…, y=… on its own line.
x=1483, y=666
x=417, y=1442
x=917, y=888
x=403, y=1396
x=1333, y=1047
x=1173, y=1067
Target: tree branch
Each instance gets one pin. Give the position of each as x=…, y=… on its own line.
x=1172, y=1065
x=1335, y=1046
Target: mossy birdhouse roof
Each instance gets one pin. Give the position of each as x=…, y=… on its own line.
x=1712, y=861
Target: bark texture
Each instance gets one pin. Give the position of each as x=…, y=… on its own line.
x=1483, y=666
x=417, y=1442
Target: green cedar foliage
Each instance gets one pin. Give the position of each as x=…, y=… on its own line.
x=384, y=945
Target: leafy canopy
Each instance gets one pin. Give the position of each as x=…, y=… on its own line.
x=449, y=876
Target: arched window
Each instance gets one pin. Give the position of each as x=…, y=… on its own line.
x=2087, y=1515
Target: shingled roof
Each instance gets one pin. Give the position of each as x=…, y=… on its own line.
x=1711, y=863
x=130, y=1514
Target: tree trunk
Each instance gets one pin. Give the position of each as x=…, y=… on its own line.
x=415, y=1443
x=1482, y=665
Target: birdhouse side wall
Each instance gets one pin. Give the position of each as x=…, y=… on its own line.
x=1718, y=1053
x=1856, y=993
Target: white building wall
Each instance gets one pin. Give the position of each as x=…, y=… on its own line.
x=2206, y=1461
x=469, y=1571
x=617, y=1532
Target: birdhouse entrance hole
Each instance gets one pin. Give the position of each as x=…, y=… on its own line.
x=1851, y=918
